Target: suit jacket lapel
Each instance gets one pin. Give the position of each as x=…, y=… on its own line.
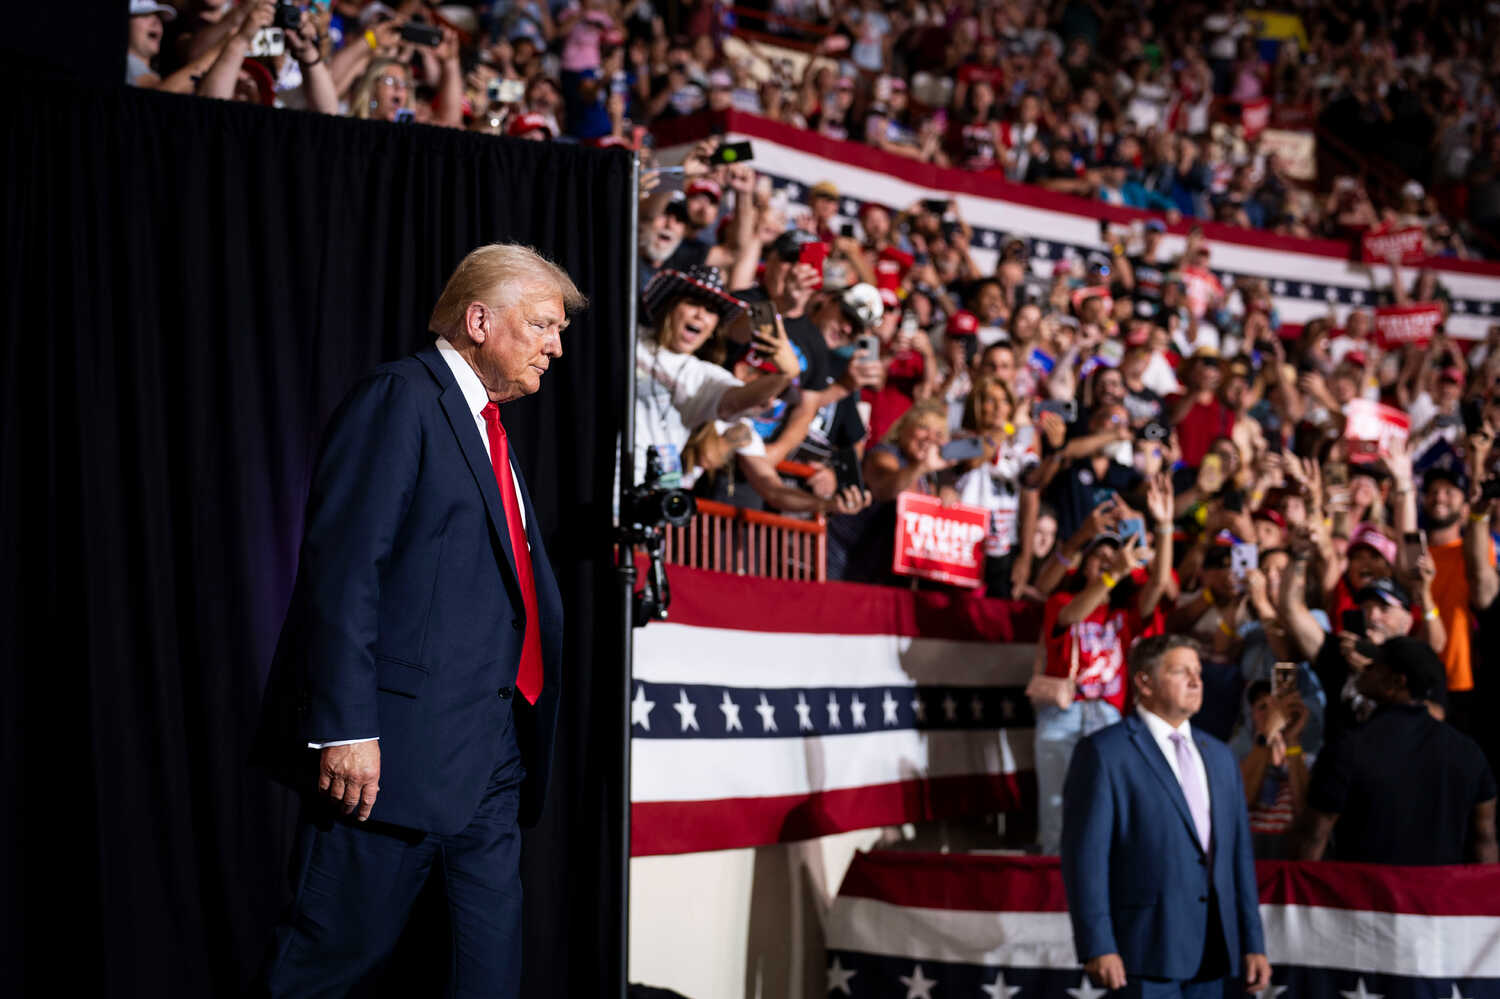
x=1157, y=763
x=456, y=408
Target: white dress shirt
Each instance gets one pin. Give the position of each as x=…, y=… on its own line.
x=1162, y=733
x=476, y=398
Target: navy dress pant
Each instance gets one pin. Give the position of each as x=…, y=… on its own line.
x=354, y=884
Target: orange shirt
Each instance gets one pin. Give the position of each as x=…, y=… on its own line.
x=1450, y=592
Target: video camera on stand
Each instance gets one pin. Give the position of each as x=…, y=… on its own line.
x=648, y=508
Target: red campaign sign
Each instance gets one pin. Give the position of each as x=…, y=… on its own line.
x=944, y=543
x=1255, y=115
x=1397, y=325
x=1380, y=245
x=1372, y=428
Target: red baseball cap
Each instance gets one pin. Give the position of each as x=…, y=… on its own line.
x=962, y=323
x=706, y=187
x=1265, y=513
x=531, y=121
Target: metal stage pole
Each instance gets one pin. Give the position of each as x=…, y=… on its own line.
x=625, y=569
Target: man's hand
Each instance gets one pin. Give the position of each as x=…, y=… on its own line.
x=350, y=775
x=1109, y=971
x=302, y=41
x=1348, y=641
x=1257, y=972
x=823, y=483
x=260, y=15
x=850, y=500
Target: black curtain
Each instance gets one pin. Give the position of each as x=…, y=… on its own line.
x=193, y=285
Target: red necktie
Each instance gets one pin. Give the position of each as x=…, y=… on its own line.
x=529, y=676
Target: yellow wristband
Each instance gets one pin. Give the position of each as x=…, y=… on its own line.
x=1109, y=580
x=370, y=41
x=1432, y=614
x=1294, y=750
x=1208, y=596
x=1479, y=518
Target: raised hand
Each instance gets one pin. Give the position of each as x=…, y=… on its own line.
x=775, y=345
x=1160, y=500
x=1127, y=559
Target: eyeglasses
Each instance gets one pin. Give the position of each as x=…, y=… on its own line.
x=394, y=81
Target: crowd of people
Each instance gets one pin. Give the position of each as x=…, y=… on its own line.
x=1141, y=105
x=1149, y=465
x=1157, y=454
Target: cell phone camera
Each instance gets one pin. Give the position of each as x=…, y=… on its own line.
x=288, y=16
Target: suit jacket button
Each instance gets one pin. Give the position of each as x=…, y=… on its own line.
x=1203, y=898
x=1202, y=861
x=517, y=624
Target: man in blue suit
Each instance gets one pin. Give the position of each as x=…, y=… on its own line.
x=415, y=687
x=1156, y=853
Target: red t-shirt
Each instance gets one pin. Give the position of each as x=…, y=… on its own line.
x=904, y=372
x=1102, y=640
x=1203, y=424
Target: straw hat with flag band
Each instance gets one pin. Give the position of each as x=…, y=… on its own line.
x=702, y=284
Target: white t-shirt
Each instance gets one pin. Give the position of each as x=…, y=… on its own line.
x=995, y=486
x=674, y=395
x=1159, y=376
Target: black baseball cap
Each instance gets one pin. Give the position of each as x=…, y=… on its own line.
x=1445, y=473
x=1102, y=538
x=1386, y=591
x=788, y=246
x=1413, y=659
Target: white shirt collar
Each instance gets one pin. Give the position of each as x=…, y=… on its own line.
x=468, y=382
x=1161, y=731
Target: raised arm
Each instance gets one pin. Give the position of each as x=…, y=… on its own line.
x=221, y=77
x=1479, y=560
x=742, y=398
x=1159, y=505
x=1096, y=593
x=1303, y=628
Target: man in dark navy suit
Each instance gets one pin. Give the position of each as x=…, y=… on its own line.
x=1156, y=851
x=415, y=687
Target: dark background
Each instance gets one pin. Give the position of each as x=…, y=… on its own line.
x=192, y=285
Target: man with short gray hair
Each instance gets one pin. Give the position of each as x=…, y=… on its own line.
x=415, y=687
x=1156, y=849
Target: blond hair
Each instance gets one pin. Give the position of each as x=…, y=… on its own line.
x=928, y=409
x=498, y=274
x=363, y=94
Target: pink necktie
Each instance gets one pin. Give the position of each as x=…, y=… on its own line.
x=1187, y=767
x=529, y=676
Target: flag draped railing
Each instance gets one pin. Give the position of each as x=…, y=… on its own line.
x=766, y=711
x=948, y=925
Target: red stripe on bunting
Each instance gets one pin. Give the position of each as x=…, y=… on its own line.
x=679, y=131
x=1034, y=884
x=667, y=827
x=1472, y=890
x=744, y=603
x=965, y=882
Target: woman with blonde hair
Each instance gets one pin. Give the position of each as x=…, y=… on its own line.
x=993, y=481
x=382, y=91
x=907, y=459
